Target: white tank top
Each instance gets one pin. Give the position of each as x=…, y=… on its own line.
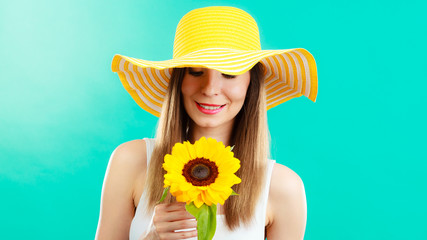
x=253, y=231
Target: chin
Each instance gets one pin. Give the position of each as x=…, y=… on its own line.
x=207, y=124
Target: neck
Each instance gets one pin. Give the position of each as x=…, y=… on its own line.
x=221, y=134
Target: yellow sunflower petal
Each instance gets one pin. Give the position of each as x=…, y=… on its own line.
x=172, y=164
x=225, y=194
x=205, y=198
x=185, y=186
x=173, y=177
x=193, y=192
x=180, y=150
x=219, y=151
x=166, y=183
x=214, y=197
x=190, y=149
x=228, y=166
x=201, y=146
x=182, y=197
x=175, y=193
x=174, y=188
x=220, y=157
x=225, y=180
x=214, y=146
x=198, y=201
x=217, y=187
x=237, y=180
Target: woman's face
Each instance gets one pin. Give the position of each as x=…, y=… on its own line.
x=213, y=99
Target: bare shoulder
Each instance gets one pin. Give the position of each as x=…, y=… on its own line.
x=287, y=207
x=126, y=165
x=130, y=154
x=129, y=159
x=284, y=182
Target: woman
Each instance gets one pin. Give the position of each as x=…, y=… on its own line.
x=219, y=84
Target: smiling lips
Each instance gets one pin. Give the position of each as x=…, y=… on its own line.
x=209, y=108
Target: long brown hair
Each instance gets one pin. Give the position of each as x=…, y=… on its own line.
x=250, y=137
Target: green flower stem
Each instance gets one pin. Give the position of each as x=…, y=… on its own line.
x=165, y=193
x=206, y=220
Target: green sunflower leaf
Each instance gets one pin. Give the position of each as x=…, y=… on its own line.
x=191, y=208
x=212, y=222
x=206, y=220
x=165, y=192
x=233, y=193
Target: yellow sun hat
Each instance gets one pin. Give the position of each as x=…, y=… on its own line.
x=225, y=39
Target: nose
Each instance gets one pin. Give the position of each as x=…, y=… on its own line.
x=211, y=83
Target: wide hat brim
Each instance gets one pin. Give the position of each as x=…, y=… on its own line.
x=288, y=73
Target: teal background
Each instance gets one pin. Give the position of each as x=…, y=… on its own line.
x=360, y=149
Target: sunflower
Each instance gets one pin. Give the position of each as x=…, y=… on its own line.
x=201, y=173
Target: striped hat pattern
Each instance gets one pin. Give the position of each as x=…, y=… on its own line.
x=225, y=39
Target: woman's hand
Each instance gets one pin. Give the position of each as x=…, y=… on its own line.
x=167, y=219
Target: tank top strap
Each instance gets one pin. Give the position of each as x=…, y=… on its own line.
x=149, y=142
x=262, y=210
x=142, y=219
x=266, y=190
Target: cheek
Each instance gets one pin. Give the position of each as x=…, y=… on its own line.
x=238, y=92
x=187, y=88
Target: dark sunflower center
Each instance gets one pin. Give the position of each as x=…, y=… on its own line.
x=200, y=172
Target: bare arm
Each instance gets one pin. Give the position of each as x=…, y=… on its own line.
x=287, y=211
x=117, y=205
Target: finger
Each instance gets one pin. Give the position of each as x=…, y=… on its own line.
x=178, y=235
x=180, y=225
x=170, y=207
x=172, y=216
x=175, y=206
